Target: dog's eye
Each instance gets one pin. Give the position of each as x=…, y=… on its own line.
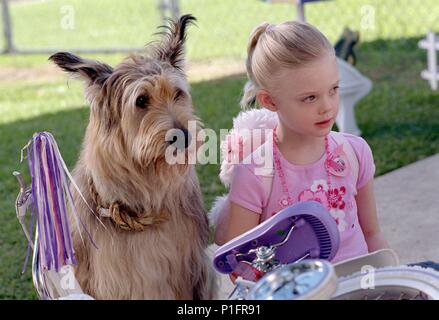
x=142, y=101
x=179, y=94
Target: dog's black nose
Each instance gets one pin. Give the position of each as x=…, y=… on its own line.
x=187, y=138
x=181, y=139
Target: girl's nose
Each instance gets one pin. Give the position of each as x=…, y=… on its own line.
x=327, y=105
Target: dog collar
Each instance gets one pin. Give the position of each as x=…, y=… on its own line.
x=122, y=215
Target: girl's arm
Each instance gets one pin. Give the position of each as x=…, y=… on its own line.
x=367, y=215
x=239, y=221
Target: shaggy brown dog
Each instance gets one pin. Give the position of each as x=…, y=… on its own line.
x=154, y=231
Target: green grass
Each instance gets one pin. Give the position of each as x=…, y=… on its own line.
x=399, y=118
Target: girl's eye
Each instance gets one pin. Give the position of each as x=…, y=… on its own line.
x=335, y=89
x=142, y=101
x=309, y=99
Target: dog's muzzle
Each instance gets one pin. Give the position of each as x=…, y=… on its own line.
x=181, y=138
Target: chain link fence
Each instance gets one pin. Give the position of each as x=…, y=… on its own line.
x=223, y=26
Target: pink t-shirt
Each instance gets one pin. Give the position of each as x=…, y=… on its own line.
x=309, y=182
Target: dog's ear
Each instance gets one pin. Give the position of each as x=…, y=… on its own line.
x=93, y=72
x=171, y=48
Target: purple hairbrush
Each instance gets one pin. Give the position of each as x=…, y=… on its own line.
x=303, y=230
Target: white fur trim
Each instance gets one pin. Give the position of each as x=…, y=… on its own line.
x=245, y=120
x=216, y=210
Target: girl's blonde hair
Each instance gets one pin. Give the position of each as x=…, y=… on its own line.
x=272, y=47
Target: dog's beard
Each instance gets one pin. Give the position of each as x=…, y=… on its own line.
x=170, y=172
x=164, y=159
x=180, y=159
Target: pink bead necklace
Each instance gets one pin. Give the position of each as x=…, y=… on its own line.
x=281, y=174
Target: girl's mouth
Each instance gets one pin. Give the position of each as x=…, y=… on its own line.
x=323, y=124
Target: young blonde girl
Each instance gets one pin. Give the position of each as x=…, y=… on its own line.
x=292, y=71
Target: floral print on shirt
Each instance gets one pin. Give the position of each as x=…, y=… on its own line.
x=334, y=198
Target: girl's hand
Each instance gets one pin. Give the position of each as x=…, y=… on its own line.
x=367, y=215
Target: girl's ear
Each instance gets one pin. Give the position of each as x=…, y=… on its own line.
x=265, y=100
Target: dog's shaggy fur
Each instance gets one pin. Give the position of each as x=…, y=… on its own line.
x=123, y=154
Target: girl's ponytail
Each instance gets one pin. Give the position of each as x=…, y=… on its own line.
x=250, y=89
